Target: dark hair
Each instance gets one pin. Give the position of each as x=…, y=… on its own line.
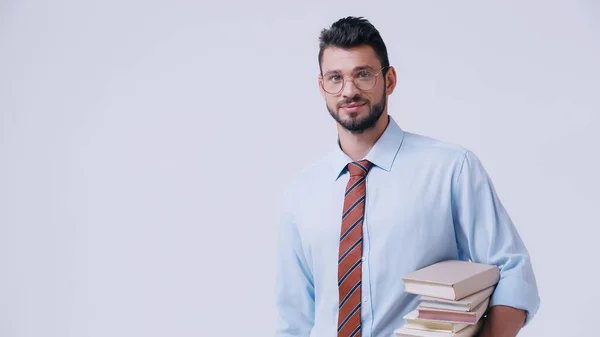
x=350, y=32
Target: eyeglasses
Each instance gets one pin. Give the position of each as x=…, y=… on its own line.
x=363, y=79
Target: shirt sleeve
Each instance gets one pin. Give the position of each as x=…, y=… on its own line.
x=486, y=234
x=294, y=282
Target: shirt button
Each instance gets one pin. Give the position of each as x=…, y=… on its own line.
x=364, y=258
x=365, y=299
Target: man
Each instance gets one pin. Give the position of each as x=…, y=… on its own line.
x=383, y=203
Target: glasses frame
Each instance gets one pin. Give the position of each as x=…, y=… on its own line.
x=352, y=79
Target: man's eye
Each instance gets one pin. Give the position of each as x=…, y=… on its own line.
x=363, y=74
x=334, y=78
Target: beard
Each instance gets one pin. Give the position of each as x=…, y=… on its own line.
x=355, y=124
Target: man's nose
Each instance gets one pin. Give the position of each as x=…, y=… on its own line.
x=350, y=90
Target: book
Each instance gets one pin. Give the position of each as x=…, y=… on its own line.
x=454, y=297
x=466, y=304
x=451, y=316
x=469, y=331
x=451, y=279
x=412, y=321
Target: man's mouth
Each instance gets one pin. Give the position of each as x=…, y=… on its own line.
x=353, y=107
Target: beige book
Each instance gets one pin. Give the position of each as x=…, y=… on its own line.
x=470, y=331
x=466, y=304
x=412, y=321
x=449, y=316
x=451, y=279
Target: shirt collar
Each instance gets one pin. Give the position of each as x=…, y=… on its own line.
x=381, y=155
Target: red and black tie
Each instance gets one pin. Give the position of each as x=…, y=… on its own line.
x=350, y=251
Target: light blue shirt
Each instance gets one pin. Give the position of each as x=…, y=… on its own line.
x=426, y=201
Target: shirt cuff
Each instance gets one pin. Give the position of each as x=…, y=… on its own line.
x=514, y=292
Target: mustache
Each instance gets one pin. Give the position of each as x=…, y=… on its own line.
x=355, y=99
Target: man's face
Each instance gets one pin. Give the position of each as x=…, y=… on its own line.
x=354, y=109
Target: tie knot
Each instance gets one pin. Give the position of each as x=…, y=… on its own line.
x=359, y=168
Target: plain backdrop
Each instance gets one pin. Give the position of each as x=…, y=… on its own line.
x=144, y=146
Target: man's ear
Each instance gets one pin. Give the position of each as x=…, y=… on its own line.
x=320, y=84
x=391, y=80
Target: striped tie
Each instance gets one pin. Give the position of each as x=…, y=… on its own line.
x=350, y=251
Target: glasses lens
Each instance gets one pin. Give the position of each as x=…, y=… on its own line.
x=365, y=80
x=333, y=84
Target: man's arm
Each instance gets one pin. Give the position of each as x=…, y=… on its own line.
x=486, y=234
x=294, y=286
x=503, y=321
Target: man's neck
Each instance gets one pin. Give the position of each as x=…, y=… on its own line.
x=356, y=146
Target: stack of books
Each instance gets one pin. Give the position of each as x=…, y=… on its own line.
x=453, y=298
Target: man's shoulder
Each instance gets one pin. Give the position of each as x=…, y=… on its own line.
x=312, y=172
x=441, y=154
x=434, y=147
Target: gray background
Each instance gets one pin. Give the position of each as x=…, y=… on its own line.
x=144, y=146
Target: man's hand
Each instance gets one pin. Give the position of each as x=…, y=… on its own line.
x=503, y=321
